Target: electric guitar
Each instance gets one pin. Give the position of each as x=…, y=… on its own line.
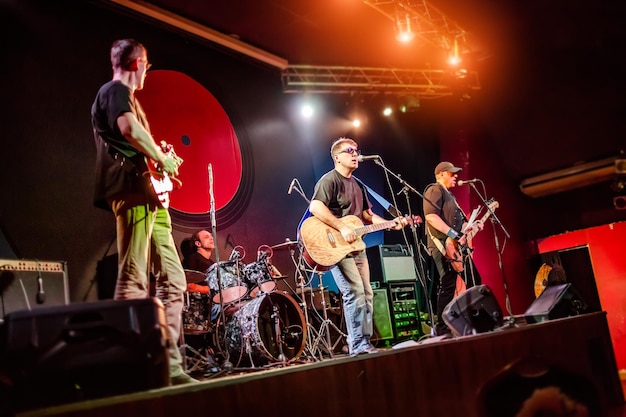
x=455, y=251
x=324, y=245
x=160, y=181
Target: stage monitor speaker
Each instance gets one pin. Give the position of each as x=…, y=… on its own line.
x=397, y=263
x=474, y=311
x=31, y=284
x=63, y=354
x=556, y=301
x=383, y=328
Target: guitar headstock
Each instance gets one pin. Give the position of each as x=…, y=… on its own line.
x=493, y=204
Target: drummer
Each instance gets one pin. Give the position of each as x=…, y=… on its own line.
x=198, y=258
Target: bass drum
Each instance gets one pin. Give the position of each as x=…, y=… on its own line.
x=252, y=331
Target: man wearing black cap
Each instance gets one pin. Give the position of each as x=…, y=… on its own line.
x=444, y=218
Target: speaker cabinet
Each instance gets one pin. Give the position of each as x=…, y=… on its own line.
x=556, y=301
x=383, y=328
x=81, y=351
x=474, y=311
x=21, y=289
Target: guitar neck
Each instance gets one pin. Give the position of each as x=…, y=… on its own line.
x=470, y=235
x=363, y=230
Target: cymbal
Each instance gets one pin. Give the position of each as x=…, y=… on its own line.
x=287, y=244
x=194, y=276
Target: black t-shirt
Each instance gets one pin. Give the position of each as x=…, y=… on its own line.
x=118, y=168
x=197, y=262
x=438, y=200
x=343, y=196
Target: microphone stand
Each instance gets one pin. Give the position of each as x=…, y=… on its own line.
x=495, y=219
x=227, y=366
x=299, y=191
x=406, y=187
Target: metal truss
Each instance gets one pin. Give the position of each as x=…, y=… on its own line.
x=423, y=83
x=427, y=22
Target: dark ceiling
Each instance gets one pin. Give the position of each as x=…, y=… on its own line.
x=552, y=72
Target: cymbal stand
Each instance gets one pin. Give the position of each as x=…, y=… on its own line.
x=323, y=334
x=227, y=365
x=310, y=349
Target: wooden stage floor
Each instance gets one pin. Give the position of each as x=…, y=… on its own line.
x=437, y=377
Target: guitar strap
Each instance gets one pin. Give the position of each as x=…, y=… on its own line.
x=386, y=204
x=436, y=241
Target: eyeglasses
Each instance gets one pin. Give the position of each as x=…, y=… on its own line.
x=351, y=151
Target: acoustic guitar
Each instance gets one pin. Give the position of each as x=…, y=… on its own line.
x=324, y=245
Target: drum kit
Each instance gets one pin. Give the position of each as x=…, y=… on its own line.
x=257, y=325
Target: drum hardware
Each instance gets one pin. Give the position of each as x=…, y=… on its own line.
x=323, y=338
x=193, y=359
x=287, y=244
x=279, y=338
x=319, y=341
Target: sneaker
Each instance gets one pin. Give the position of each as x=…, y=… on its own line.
x=182, y=379
x=365, y=350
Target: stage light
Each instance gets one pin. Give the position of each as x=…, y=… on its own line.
x=454, y=58
x=307, y=111
x=387, y=111
x=409, y=103
x=403, y=26
x=356, y=123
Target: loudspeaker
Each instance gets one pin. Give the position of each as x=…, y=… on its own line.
x=555, y=302
x=397, y=263
x=383, y=328
x=82, y=351
x=20, y=284
x=474, y=311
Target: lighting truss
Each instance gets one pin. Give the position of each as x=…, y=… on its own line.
x=428, y=22
x=424, y=83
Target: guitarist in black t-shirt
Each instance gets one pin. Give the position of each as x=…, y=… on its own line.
x=445, y=219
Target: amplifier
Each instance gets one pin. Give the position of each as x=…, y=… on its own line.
x=405, y=308
x=31, y=284
x=397, y=263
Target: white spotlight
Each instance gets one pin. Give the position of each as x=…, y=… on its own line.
x=307, y=111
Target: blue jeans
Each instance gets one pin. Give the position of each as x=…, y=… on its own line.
x=352, y=276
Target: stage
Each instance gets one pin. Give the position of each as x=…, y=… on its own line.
x=436, y=377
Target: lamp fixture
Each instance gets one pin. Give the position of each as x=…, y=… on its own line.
x=405, y=34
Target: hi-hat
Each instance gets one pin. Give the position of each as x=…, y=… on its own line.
x=194, y=277
x=288, y=243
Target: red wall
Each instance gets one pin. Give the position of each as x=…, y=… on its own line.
x=606, y=248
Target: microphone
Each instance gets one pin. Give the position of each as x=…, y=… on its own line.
x=41, y=296
x=473, y=180
x=293, y=183
x=362, y=158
